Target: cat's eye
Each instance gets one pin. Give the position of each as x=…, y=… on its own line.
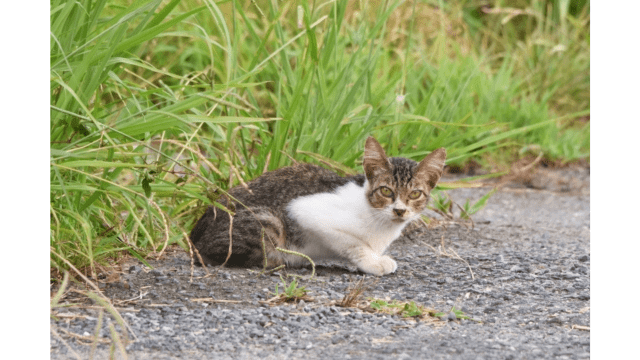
x=415, y=194
x=386, y=191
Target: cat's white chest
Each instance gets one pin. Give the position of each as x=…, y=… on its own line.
x=333, y=223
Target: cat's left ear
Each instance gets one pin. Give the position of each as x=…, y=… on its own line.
x=432, y=166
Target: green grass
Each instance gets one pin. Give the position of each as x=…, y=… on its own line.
x=158, y=107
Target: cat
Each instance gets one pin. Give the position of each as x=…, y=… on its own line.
x=314, y=211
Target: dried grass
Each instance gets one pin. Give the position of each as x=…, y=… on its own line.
x=355, y=293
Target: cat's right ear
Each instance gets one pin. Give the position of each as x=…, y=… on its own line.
x=375, y=160
x=432, y=166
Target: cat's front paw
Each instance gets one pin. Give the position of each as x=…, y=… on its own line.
x=388, y=264
x=379, y=266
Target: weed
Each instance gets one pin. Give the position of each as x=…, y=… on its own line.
x=443, y=204
x=411, y=309
x=353, y=295
x=468, y=209
x=291, y=292
x=291, y=252
x=404, y=309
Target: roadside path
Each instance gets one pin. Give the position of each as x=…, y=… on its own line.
x=530, y=288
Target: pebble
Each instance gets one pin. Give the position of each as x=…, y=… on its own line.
x=451, y=316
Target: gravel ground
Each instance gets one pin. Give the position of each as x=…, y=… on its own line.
x=530, y=288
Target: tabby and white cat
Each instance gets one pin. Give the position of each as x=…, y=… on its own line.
x=314, y=211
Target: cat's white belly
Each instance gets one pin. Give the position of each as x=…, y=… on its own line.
x=342, y=224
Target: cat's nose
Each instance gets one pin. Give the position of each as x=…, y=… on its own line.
x=399, y=212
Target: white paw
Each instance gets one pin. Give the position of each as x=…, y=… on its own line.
x=378, y=265
x=388, y=264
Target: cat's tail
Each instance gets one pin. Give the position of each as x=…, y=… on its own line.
x=256, y=233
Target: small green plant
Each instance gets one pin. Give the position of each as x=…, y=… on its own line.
x=411, y=309
x=459, y=314
x=291, y=292
x=408, y=309
x=442, y=203
x=468, y=209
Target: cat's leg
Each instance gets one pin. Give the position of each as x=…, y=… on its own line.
x=347, y=246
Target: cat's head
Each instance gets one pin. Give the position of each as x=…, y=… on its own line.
x=400, y=187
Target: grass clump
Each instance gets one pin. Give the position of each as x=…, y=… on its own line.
x=291, y=292
x=354, y=293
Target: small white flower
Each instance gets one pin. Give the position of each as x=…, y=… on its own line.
x=558, y=48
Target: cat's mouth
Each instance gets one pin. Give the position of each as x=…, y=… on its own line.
x=398, y=219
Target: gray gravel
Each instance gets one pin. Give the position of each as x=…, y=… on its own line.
x=529, y=253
